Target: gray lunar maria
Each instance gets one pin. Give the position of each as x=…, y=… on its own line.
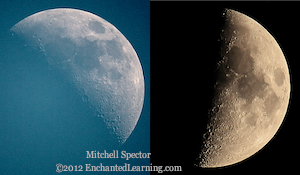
x=96, y=57
x=252, y=93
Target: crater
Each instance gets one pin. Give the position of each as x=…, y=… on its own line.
x=240, y=61
x=84, y=98
x=279, y=76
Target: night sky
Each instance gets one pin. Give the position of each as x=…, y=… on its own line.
x=184, y=53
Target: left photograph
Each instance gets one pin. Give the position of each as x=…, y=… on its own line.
x=75, y=88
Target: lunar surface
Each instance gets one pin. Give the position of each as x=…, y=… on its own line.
x=252, y=93
x=96, y=57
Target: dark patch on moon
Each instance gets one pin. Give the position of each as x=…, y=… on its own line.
x=114, y=74
x=250, y=86
x=279, y=76
x=114, y=49
x=96, y=27
x=251, y=119
x=240, y=61
x=272, y=104
x=86, y=56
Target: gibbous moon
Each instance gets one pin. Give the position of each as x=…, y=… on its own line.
x=252, y=93
x=96, y=57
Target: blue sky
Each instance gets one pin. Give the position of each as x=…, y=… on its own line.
x=131, y=18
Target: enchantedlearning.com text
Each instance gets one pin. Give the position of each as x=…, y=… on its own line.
x=106, y=168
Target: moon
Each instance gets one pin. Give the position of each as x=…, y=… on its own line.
x=251, y=93
x=96, y=57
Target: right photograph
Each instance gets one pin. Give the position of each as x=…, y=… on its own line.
x=223, y=79
x=252, y=92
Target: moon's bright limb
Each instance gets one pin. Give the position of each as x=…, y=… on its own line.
x=252, y=93
x=96, y=57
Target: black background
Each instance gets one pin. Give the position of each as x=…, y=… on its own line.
x=184, y=51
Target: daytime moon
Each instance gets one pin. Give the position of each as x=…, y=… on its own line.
x=96, y=57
